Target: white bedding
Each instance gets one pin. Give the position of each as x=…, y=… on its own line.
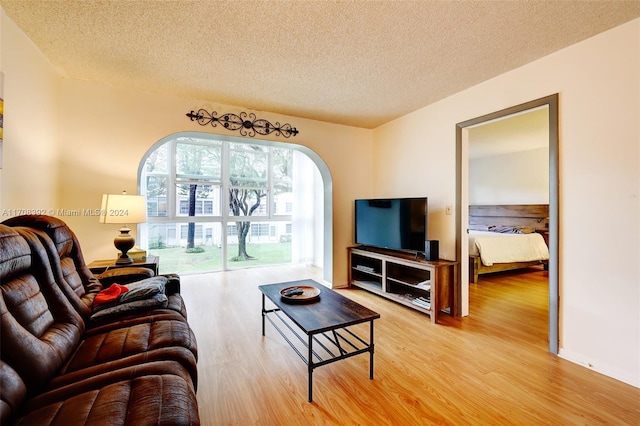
x=496, y=247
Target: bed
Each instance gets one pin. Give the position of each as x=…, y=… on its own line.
x=507, y=237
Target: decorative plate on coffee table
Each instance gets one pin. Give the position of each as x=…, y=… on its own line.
x=300, y=294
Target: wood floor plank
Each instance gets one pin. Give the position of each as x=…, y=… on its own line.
x=490, y=368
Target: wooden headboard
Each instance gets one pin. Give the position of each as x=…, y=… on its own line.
x=531, y=215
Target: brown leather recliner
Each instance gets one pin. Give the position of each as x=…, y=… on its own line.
x=53, y=372
x=79, y=283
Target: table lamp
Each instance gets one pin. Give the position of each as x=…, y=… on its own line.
x=124, y=209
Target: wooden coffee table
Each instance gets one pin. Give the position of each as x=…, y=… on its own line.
x=325, y=323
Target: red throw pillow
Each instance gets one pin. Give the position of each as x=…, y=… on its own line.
x=110, y=294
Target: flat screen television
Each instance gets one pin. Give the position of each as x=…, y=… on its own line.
x=393, y=223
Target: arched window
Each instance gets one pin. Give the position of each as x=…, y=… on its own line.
x=217, y=203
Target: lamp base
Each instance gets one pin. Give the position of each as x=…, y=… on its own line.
x=124, y=242
x=124, y=259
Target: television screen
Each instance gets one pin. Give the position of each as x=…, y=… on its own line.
x=393, y=223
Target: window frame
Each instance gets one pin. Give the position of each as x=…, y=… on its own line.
x=225, y=219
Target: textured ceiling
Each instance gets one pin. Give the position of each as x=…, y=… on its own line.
x=360, y=63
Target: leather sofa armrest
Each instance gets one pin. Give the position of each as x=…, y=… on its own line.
x=124, y=275
x=173, y=284
x=131, y=274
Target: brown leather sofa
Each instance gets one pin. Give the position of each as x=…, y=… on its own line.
x=60, y=367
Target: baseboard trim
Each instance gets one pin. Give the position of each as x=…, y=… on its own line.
x=605, y=369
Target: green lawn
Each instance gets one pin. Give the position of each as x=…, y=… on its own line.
x=177, y=260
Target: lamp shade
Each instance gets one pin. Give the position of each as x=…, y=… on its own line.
x=123, y=208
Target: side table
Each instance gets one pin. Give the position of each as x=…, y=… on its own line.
x=99, y=266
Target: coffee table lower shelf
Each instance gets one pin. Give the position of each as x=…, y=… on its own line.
x=323, y=345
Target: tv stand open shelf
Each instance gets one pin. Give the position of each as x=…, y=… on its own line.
x=404, y=278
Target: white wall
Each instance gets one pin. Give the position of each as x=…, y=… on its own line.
x=31, y=122
x=599, y=86
x=515, y=178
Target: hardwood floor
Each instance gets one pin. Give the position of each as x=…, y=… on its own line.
x=486, y=369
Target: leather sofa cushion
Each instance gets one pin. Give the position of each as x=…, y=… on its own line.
x=12, y=392
x=165, y=399
x=180, y=357
x=63, y=241
x=120, y=343
x=15, y=256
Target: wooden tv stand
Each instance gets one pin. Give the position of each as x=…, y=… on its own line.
x=402, y=277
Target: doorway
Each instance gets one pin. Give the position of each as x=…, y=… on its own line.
x=462, y=203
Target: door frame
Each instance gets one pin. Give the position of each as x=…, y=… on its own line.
x=462, y=211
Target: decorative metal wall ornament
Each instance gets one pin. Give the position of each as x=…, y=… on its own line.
x=246, y=123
